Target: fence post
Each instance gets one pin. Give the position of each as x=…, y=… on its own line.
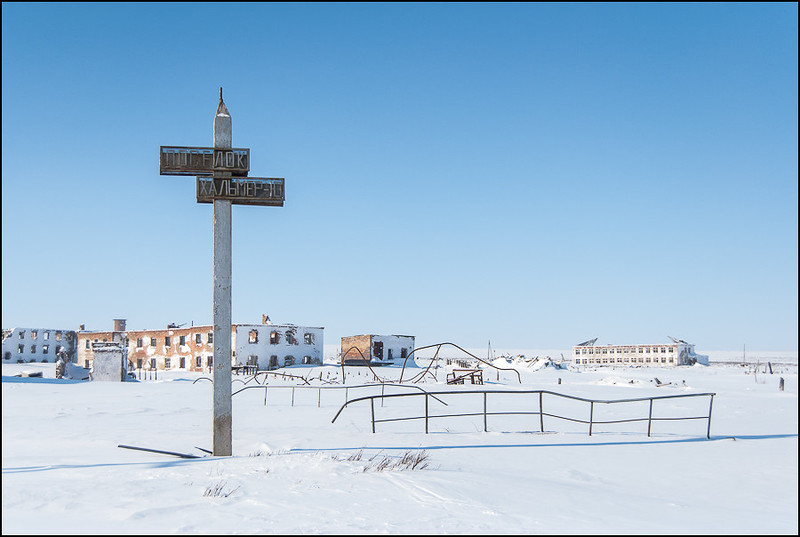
x=710, y=404
x=650, y=418
x=265, y=394
x=319, y=395
x=541, y=414
x=292, y=395
x=426, y=413
x=591, y=416
x=372, y=411
x=485, y=428
x=382, y=388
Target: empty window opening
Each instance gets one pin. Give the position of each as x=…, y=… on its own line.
x=274, y=337
x=58, y=336
x=377, y=350
x=290, y=337
x=253, y=336
x=167, y=341
x=183, y=340
x=34, y=333
x=198, y=338
x=309, y=338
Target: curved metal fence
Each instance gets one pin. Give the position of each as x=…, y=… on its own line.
x=591, y=422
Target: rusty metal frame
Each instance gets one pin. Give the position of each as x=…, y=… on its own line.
x=438, y=346
x=366, y=362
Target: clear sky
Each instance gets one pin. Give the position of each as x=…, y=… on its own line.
x=531, y=174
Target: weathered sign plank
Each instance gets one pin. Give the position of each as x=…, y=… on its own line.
x=179, y=160
x=267, y=191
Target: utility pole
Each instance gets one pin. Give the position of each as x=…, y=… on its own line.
x=222, y=444
x=222, y=179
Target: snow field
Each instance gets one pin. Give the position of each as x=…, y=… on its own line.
x=293, y=471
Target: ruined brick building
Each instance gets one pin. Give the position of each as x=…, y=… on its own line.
x=191, y=348
x=377, y=350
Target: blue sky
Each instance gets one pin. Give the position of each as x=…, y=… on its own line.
x=531, y=174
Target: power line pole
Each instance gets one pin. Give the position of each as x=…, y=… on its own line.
x=222, y=443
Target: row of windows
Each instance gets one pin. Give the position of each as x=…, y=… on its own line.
x=167, y=340
x=151, y=364
x=275, y=337
x=273, y=361
x=626, y=360
x=198, y=339
x=35, y=334
x=45, y=349
x=198, y=362
x=623, y=350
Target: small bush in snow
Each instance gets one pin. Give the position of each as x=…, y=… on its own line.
x=218, y=490
x=409, y=461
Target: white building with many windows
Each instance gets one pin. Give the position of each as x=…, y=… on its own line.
x=676, y=353
x=270, y=346
x=23, y=345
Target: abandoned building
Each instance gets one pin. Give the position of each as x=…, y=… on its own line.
x=376, y=350
x=270, y=346
x=192, y=348
x=24, y=345
x=676, y=353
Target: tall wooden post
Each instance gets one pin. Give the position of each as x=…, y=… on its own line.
x=222, y=296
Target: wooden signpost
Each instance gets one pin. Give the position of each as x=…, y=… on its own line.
x=222, y=180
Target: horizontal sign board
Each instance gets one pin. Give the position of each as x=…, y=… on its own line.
x=176, y=160
x=242, y=190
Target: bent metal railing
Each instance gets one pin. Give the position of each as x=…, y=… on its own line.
x=541, y=413
x=419, y=377
x=382, y=386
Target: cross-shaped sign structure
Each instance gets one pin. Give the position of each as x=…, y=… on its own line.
x=222, y=180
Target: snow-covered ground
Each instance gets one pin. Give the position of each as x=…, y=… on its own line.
x=294, y=471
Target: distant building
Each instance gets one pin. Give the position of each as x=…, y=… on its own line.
x=192, y=348
x=676, y=353
x=377, y=350
x=23, y=345
x=271, y=346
